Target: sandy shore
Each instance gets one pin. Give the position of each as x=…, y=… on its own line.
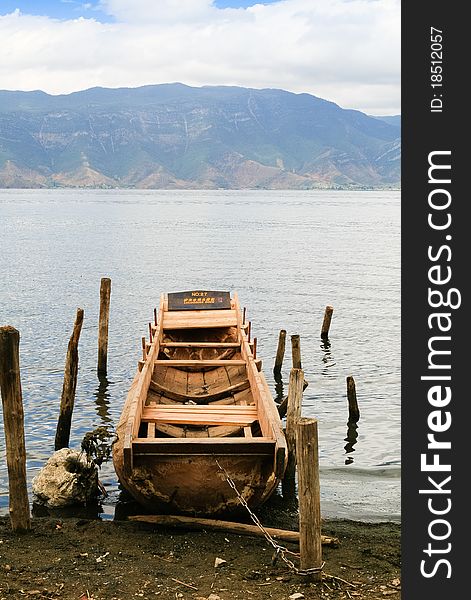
x=80, y=559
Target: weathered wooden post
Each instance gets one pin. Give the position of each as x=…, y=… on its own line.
x=310, y=540
x=69, y=386
x=296, y=351
x=105, y=293
x=280, y=353
x=353, y=410
x=144, y=349
x=326, y=323
x=13, y=423
x=295, y=395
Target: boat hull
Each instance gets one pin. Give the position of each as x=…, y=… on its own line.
x=195, y=485
x=199, y=433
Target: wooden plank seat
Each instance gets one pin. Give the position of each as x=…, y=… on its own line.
x=183, y=414
x=169, y=362
x=199, y=319
x=218, y=446
x=200, y=344
x=199, y=398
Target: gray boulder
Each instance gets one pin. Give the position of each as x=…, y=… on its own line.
x=66, y=479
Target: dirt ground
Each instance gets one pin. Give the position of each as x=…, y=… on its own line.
x=81, y=559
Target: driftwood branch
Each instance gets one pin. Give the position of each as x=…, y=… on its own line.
x=226, y=526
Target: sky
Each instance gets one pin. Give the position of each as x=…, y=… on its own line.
x=346, y=51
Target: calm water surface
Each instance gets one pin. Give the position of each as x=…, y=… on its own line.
x=288, y=254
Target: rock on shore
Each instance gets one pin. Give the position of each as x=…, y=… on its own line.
x=66, y=479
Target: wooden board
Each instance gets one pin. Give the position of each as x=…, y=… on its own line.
x=178, y=414
x=218, y=446
x=199, y=397
x=199, y=319
x=199, y=363
x=200, y=345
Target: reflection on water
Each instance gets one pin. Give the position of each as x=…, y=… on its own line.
x=102, y=400
x=327, y=357
x=278, y=388
x=338, y=248
x=351, y=439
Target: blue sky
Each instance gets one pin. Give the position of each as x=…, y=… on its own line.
x=72, y=9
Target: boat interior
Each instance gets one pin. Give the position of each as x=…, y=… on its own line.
x=200, y=389
x=200, y=386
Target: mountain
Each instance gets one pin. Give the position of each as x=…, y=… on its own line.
x=391, y=120
x=176, y=136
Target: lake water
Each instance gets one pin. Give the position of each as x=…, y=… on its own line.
x=287, y=253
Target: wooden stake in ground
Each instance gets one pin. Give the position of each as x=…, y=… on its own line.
x=13, y=423
x=326, y=323
x=309, y=497
x=280, y=353
x=295, y=396
x=353, y=410
x=105, y=294
x=69, y=386
x=296, y=351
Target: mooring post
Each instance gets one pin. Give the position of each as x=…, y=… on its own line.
x=68, y=388
x=280, y=353
x=105, y=293
x=296, y=351
x=13, y=423
x=326, y=322
x=310, y=540
x=144, y=349
x=353, y=410
x=295, y=395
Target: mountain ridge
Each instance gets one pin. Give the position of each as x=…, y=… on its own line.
x=178, y=136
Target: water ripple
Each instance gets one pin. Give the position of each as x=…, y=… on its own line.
x=288, y=254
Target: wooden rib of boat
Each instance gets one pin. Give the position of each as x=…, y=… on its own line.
x=199, y=409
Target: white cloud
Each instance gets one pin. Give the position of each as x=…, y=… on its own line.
x=347, y=51
x=157, y=11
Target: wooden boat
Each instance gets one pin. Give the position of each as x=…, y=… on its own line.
x=198, y=412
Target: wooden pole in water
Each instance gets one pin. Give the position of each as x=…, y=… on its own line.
x=280, y=353
x=254, y=351
x=144, y=349
x=150, y=333
x=295, y=396
x=155, y=317
x=105, y=293
x=326, y=323
x=13, y=423
x=296, y=351
x=309, y=497
x=353, y=410
x=69, y=386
